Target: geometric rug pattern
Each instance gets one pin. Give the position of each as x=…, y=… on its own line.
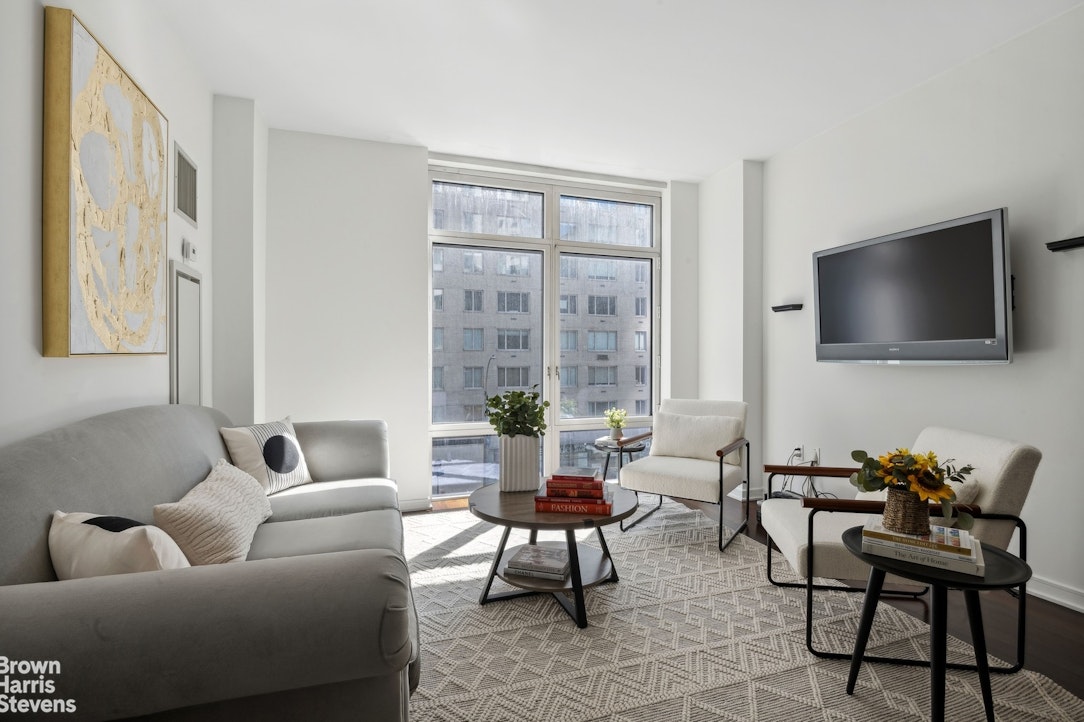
x=688, y=633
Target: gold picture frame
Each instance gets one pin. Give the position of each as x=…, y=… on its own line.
x=104, y=202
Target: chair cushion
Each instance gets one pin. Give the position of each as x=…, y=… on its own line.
x=694, y=437
x=787, y=523
x=332, y=498
x=680, y=477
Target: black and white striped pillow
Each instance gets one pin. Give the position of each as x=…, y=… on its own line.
x=269, y=452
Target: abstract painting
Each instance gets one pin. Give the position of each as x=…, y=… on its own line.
x=104, y=202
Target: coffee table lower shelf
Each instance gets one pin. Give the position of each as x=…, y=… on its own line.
x=590, y=567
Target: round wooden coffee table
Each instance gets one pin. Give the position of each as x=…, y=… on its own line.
x=589, y=566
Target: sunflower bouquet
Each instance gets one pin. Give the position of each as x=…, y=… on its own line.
x=921, y=474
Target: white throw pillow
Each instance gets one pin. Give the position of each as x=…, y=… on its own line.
x=94, y=545
x=215, y=521
x=694, y=437
x=269, y=452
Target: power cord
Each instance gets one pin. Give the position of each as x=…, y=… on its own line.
x=808, y=487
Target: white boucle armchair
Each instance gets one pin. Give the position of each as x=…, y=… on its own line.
x=698, y=451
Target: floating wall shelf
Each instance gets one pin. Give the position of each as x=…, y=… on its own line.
x=1066, y=244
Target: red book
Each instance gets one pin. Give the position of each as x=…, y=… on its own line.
x=596, y=485
x=570, y=500
x=572, y=507
x=576, y=473
x=574, y=493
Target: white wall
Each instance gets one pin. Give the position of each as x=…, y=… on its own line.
x=38, y=393
x=680, y=295
x=240, y=188
x=730, y=295
x=1003, y=130
x=348, y=291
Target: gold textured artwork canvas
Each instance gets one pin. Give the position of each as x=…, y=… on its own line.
x=104, y=202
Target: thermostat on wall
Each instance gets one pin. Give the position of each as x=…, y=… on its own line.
x=188, y=250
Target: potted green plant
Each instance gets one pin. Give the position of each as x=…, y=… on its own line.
x=519, y=417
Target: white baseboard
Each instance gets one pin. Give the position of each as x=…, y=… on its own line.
x=1057, y=593
x=408, y=505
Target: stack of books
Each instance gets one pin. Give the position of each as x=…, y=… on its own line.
x=541, y=562
x=948, y=548
x=575, y=490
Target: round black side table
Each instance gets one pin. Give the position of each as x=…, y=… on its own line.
x=608, y=445
x=1003, y=571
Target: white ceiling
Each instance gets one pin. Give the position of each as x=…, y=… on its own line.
x=656, y=89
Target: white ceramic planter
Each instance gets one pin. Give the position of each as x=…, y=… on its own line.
x=519, y=463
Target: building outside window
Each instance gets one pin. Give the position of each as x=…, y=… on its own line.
x=513, y=339
x=641, y=305
x=641, y=341
x=472, y=300
x=472, y=263
x=514, y=264
x=513, y=377
x=602, y=376
x=602, y=305
x=513, y=302
x=438, y=378
x=438, y=339
x=472, y=377
x=438, y=299
x=473, y=339
x=602, y=340
x=568, y=304
x=570, y=340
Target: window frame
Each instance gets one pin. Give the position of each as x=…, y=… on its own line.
x=553, y=186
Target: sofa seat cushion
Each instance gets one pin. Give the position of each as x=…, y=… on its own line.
x=679, y=477
x=376, y=529
x=333, y=498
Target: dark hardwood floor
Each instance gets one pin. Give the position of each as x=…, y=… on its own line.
x=1055, y=634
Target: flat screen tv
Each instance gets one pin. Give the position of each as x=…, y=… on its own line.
x=939, y=294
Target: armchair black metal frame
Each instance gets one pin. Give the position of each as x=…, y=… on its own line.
x=817, y=505
x=721, y=454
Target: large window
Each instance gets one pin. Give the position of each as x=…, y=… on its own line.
x=558, y=291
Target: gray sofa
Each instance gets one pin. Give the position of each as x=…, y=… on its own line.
x=319, y=622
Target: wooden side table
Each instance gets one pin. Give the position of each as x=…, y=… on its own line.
x=588, y=566
x=1003, y=571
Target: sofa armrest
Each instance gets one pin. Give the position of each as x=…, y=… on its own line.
x=134, y=644
x=337, y=450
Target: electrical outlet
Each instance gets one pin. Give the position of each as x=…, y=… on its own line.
x=799, y=454
x=814, y=456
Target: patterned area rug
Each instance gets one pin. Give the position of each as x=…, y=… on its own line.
x=688, y=633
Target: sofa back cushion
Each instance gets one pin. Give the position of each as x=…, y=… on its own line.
x=121, y=463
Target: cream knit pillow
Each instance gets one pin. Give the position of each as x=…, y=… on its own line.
x=215, y=521
x=694, y=437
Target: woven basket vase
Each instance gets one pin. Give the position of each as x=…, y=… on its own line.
x=906, y=513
